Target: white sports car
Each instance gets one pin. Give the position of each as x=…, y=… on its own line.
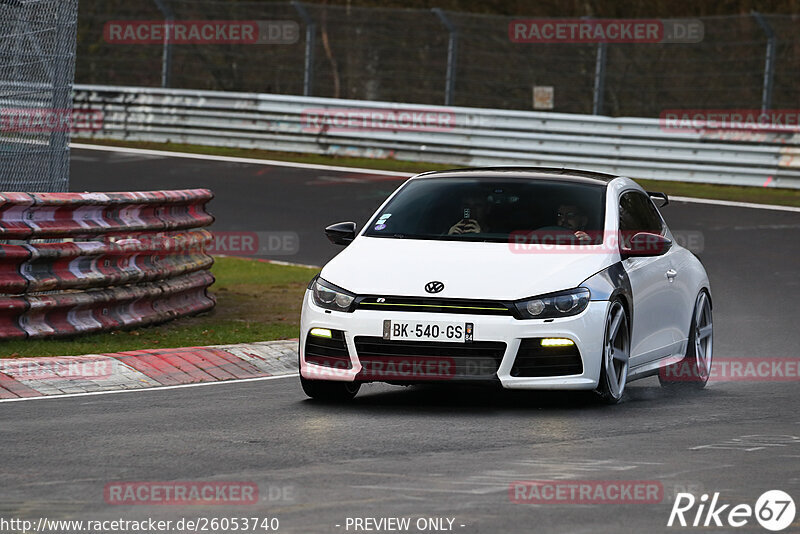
x=529, y=278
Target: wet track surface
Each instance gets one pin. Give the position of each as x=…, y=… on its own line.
x=425, y=451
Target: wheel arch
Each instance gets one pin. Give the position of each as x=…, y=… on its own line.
x=627, y=305
x=612, y=283
x=708, y=293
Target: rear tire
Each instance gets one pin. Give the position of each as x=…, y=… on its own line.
x=616, y=353
x=693, y=371
x=330, y=390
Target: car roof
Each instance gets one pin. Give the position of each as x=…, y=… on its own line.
x=533, y=173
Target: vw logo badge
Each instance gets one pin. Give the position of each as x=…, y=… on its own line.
x=434, y=287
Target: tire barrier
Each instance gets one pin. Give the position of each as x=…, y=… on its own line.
x=57, y=215
x=92, y=264
x=123, y=260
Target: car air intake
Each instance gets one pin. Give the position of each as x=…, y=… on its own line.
x=535, y=359
x=328, y=351
x=415, y=361
x=434, y=305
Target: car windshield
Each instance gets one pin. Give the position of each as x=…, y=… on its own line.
x=493, y=209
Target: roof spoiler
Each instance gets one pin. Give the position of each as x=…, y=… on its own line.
x=655, y=195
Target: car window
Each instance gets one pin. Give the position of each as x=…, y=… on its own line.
x=490, y=209
x=638, y=214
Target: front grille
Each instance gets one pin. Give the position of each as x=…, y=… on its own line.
x=330, y=352
x=434, y=305
x=534, y=360
x=412, y=361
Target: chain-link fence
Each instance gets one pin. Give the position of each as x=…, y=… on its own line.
x=37, y=65
x=430, y=57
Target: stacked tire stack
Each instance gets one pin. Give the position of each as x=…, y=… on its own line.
x=74, y=263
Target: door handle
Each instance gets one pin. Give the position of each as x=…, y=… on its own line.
x=671, y=274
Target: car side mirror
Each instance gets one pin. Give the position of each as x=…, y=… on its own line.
x=657, y=197
x=341, y=233
x=644, y=244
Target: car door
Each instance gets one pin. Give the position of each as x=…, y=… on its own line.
x=655, y=299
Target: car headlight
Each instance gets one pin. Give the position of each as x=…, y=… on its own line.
x=552, y=305
x=331, y=297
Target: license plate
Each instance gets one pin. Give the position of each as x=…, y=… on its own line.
x=428, y=331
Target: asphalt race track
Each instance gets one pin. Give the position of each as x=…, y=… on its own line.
x=423, y=452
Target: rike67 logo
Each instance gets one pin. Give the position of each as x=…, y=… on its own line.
x=774, y=510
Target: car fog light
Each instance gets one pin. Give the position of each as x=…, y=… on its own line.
x=557, y=342
x=321, y=332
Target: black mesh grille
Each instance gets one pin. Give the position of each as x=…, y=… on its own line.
x=434, y=305
x=535, y=360
x=421, y=360
x=330, y=352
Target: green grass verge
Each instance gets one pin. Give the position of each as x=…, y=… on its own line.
x=256, y=301
x=761, y=195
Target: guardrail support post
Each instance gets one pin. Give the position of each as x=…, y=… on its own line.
x=452, y=55
x=166, y=56
x=311, y=31
x=769, y=62
x=599, y=80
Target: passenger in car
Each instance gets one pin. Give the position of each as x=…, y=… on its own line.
x=474, y=218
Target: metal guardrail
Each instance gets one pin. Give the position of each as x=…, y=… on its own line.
x=122, y=260
x=635, y=147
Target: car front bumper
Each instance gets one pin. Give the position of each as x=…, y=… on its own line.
x=585, y=330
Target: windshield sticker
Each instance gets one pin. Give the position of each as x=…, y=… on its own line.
x=380, y=226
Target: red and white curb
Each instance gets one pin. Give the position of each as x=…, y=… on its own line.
x=92, y=373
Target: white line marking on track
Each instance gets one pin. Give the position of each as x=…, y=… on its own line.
x=158, y=388
x=734, y=204
x=276, y=262
x=233, y=159
x=276, y=163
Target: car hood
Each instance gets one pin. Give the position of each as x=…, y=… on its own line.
x=402, y=267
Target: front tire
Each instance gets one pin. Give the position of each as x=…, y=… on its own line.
x=694, y=369
x=616, y=353
x=330, y=390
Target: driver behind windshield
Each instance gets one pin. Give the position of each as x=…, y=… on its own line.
x=573, y=218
